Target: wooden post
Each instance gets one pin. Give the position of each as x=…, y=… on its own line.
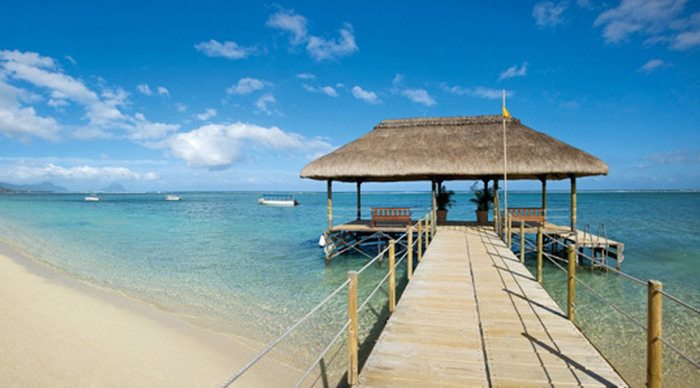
x=409, y=255
x=359, y=200
x=420, y=240
x=571, y=284
x=353, y=364
x=654, y=355
x=495, y=206
x=539, y=255
x=509, y=225
x=428, y=229
x=573, y=203
x=392, y=276
x=544, y=196
x=427, y=232
x=522, y=241
x=329, y=190
x=432, y=196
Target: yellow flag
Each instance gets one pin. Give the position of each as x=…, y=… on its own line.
x=506, y=114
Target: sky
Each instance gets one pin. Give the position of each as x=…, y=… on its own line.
x=233, y=95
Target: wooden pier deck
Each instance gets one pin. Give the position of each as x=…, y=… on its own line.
x=473, y=315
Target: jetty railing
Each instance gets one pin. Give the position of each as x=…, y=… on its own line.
x=654, y=288
x=424, y=230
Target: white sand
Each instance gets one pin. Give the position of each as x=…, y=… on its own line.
x=57, y=331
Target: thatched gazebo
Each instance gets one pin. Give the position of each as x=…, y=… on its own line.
x=453, y=148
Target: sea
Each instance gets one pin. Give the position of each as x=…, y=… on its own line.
x=220, y=260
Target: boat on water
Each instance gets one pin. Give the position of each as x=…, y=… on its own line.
x=173, y=197
x=278, y=200
x=91, y=198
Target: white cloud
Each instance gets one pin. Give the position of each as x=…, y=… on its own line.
x=290, y=22
x=514, y=71
x=264, y=102
x=327, y=90
x=365, y=95
x=651, y=65
x=218, y=146
x=246, y=85
x=143, y=129
x=478, y=91
x=686, y=40
x=321, y=49
x=182, y=108
x=660, y=20
x=227, y=49
x=144, y=89
x=419, y=96
x=25, y=172
x=163, y=91
x=549, y=14
x=207, y=114
x=103, y=110
x=306, y=76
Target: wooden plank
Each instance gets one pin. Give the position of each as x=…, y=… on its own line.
x=472, y=304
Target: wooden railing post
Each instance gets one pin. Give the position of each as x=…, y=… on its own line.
x=427, y=232
x=353, y=363
x=409, y=256
x=509, y=225
x=420, y=240
x=655, y=309
x=571, y=284
x=392, y=276
x=539, y=254
x=522, y=241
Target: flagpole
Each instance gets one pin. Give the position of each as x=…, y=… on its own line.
x=505, y=161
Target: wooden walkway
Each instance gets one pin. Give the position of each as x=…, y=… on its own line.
x=474, y=316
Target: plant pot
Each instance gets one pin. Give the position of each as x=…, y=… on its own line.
x=482, y=216
x=442, y=217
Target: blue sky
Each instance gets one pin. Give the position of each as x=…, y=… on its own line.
x=240, y=95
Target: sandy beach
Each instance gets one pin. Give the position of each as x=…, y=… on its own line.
x=58, y=331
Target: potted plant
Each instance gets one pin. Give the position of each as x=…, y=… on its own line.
x=444, y=201
x=483, y=198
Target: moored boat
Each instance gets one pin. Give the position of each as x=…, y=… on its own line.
x=172, y=197
x=91, y=198
x=278, y=200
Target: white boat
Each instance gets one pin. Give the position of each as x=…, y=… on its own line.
x=278, y=200
x=91, y=198
x=173, y=197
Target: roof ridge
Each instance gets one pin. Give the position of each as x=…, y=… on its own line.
x=453, y=120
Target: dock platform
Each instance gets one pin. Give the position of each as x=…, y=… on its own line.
x=473, y=315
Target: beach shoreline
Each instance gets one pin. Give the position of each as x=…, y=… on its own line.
x=71, y=333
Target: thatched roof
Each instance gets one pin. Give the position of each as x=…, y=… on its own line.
x=450, y=148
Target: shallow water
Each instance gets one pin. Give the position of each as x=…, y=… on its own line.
x=225, y=262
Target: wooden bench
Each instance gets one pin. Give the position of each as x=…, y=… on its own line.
x=532, y=216
x=391, y=215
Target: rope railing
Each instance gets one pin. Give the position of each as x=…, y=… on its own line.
x=322, y=354
x=653, y=328
x=277, y=340
x=423, y=234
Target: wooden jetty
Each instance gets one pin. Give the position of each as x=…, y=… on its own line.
x=473, y=315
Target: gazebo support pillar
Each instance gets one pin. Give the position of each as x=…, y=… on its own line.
x=359, y=200
x=495, y=206
x=432, y=193
x=544, y=197
x=573, y=203
x=329, y=191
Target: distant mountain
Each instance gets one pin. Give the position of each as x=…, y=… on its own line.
x=43, y=187
x=113, y=188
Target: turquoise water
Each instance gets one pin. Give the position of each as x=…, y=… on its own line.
x=222, y=261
